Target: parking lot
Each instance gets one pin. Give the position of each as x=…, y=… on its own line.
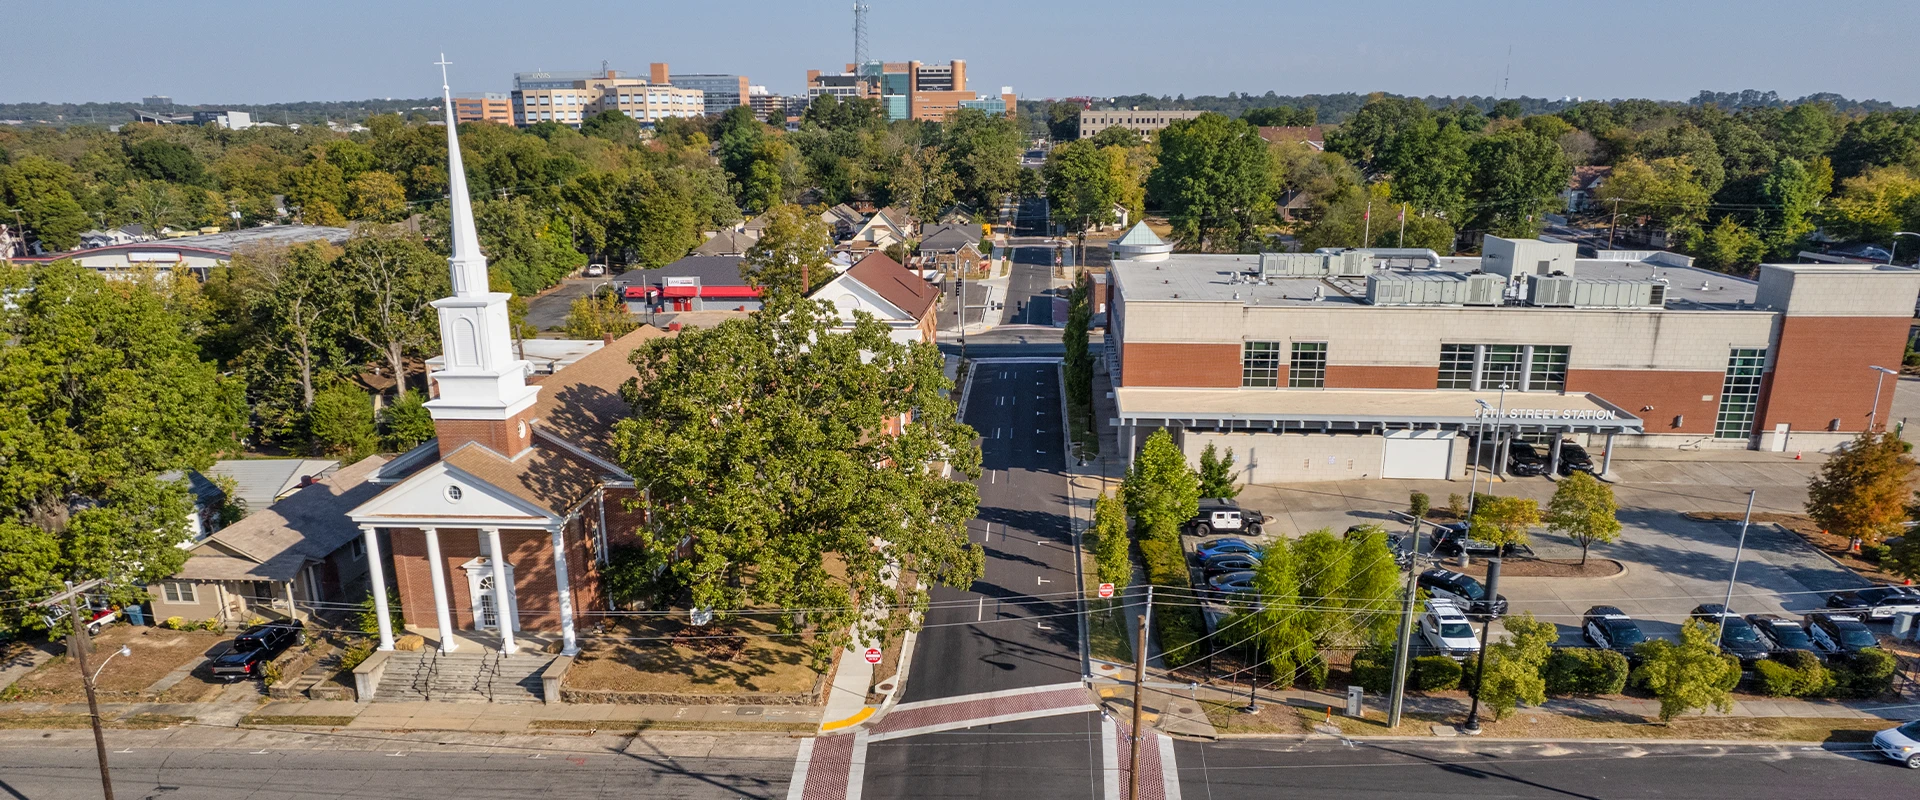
x=1671, y=563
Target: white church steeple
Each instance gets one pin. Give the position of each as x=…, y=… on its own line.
x=483, y=393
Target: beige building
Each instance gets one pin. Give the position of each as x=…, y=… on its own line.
x=570, y=97
x=1142, y=122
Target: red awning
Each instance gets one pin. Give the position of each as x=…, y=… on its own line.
x=710, y=292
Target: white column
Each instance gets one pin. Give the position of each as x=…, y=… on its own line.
x=377, y=580
x=438, y=566
x=570, y=646
x=502, y=594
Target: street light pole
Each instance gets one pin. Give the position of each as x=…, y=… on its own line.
x=1873, y=416
x=1472, y=728
x=1739, y=548
x=1896, y=243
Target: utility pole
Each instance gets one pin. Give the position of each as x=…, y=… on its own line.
x=1613, y=224
x=1403, y=243
x=1406, y=630
x=1139, y=680
x=79, y=645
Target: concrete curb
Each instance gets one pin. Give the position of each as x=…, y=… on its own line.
x=1309, y=737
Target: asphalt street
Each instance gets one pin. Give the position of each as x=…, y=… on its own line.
x=995, y=634
x=549, y=310
x=1056, y=758
x=42, y=773
x=1479, y=770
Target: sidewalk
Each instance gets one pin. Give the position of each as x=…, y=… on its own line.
x=442, y=716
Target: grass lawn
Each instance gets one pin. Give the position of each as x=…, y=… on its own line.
x=1108, y=635
x=740, y=656
x=52, y=721
x=155, y=652
x=1079, y=421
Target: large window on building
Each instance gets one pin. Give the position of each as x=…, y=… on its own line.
x=1307, y=367
x=1740, y=393
x=1521, y=367
x=1260, y=364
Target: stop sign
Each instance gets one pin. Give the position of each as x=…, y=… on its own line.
x=1106, y=590
x=873, y=655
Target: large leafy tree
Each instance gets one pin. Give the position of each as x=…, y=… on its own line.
x=791, y=253
x=101, y=389
x=1081, y=186
x=1503, y=520
x=1861, y=492
x=1215, y=179
x=922, y=183
x=984, y=150
x=1517, y=178
x=1161, y=491
x=1692, y=674
x=392, y=280
x=1110, y=542
x=1583, y=509
x=1873, y=205
x=1513, y=666
x=802, y=466
x=1216, y=473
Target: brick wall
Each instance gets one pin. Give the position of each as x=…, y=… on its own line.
x=1183, y=365
x=1693, y=396
x=1820, y=371
x=1346, y=376
x=502, y=436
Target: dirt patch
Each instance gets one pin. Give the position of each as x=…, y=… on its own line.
x=285, y=719
x=1544, y=568
x=1836, y=547
x=143, y=722
x=888, y=669
x=155, y=652
x=1270, y=719
x=744, y=656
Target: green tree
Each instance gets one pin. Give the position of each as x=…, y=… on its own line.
x=1117, y=136
x=1285, y=641
x=1692, y=674
x=154, y=204
x=1281, y=116
x=1063, y=121
x=984, y=151
x=1372, y=588
x=1324, y=562
x=597, y=317
x=1513, y=666
x=922, y=183
x=791, y=253
x=41, y=189
x=317, y=189
x=1792, y=192
x=1081, y=186
x=1077, y=366
x=1503, y=520
x=342, y=423
x=1583, y=509
x=1517, y=178
x=1870, y=206
x=376, y=196
x=162, y=160
x=1215, y=179
x=1731, y=247
x=1667, y=191
x=391, y=280
x=801, y=494
x=612, y=125
x=1861, y=491
x=1216, y=473
x=304, y=310
x=738, y=138
x=1110, y=543
x=405, y=422
x=1161, y=491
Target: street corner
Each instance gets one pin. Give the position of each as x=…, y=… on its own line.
x=843, y=724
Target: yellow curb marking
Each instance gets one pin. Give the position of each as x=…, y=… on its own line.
x=849, y=721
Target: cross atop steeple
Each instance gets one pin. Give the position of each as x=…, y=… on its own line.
x=443, y=63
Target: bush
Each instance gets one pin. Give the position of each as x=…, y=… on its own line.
x=1875, y=553
x=1178, y=628
x=1418, y=504
x=1585, y=671
x=1795, y=673
x=1457, y=505
x=1435, y=674
x=1373, y=670
x=270, y=673
x=1166, y=563
x=1868, y=673
x=355, y=653
x=213, y=624
x=174, y=624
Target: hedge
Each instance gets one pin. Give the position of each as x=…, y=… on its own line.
x=1585, y=671
x=1373, y=671
x=1795, y=673
x=1435, y=674
x=1868, y=673
x=1166, y=563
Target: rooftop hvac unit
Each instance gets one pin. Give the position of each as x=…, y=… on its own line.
x=1387, y=290
x=1352, y=264
x=1485, y=289
x=1421, y=289
x=1550, y=290
x=1276, y=265
x=1615, y=294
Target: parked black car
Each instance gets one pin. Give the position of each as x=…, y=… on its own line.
x=1229, y=562
x=1877, y=603
x=255, y=647
x=1465, y=591
x=1574, y=458
x=1609, y=628
x=1223, y=515
x=1737, y=638
x=1781, y=634
x=1452, y=537
x=1524, y=461
x=1839, y=634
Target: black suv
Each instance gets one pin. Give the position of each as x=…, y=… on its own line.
x=1449, y=539
x=1524, y=461
x=1223, y=515
x=254, y=647
x=1609, y=628
x=1781, y=634
x=1574, y=458
x=1879, y=602
x=1464, y=591
x=1839, y=634
x=1737, y=638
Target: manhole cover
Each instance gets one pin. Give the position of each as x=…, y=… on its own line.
x=1186, y=709
x=886, y=687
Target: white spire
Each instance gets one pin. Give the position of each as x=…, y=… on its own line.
x=469, y=266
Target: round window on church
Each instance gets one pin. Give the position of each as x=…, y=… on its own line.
x=453, y=494
x=522, y=429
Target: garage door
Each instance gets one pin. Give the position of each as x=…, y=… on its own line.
x=1417, y=454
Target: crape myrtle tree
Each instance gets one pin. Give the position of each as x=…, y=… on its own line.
x=777, y=448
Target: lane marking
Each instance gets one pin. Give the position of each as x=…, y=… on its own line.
x=1083, y=708
x=980, y=611
x=797, y=786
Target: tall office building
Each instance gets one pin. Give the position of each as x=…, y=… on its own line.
x=722, y=91
x=570, y=97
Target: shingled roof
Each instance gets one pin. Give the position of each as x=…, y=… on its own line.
x=895, y=284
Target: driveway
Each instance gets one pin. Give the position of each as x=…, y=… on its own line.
x=548, y=310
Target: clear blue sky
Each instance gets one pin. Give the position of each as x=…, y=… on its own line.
x=260, y=51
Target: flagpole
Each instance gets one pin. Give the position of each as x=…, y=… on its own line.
x=1403, y=226
x=1367, y=232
